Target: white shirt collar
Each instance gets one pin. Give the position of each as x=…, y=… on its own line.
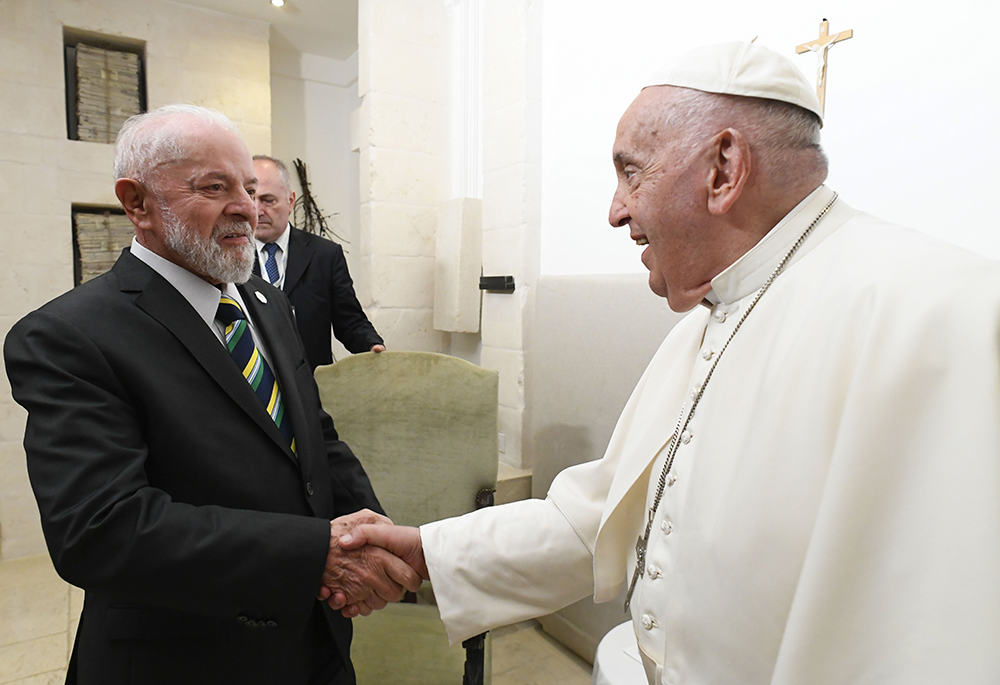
x=199, y=293
x=747, y=274
x=281, y=242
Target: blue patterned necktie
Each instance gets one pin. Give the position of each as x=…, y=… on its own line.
x=271, y=263
x=243, y=350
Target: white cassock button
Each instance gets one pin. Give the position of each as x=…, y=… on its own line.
x=686, y=437
x=671, y=479
x=648, y=622
x=707, y=353
x=666, y=527
x=653, y=572
x=719, y=314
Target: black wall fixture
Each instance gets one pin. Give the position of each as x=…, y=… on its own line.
x=497, y=284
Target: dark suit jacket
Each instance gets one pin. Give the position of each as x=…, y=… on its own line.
x=167, y=492
x=320, y=288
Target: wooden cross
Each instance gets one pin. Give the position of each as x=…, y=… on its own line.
x=820, y=47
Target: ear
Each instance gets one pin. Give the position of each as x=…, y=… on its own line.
x=729, y=171
x=136, y=201
x=291, y=200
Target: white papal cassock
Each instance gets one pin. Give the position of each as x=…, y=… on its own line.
x=834, y=515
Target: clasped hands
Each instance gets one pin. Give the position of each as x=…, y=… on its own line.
x=371, y=563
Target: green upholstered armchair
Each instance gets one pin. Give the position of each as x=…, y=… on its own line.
x=425, y=428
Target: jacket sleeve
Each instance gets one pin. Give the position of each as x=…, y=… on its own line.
x=350, y=324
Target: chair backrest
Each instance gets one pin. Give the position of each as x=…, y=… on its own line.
x=423, y=425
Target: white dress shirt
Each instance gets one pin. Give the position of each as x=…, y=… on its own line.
x=200, y=294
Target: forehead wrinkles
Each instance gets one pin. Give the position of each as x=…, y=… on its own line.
x=646, y=128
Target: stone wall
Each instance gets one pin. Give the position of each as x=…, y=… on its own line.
x=511, y=206
x=401, y=133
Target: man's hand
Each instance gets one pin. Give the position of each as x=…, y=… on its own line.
x=339, y=527
x=403, y=542
x=366, y=578
x=345, y=524
x=378, y=348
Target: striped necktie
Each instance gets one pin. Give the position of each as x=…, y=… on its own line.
x=243, y=350
x=271, y=263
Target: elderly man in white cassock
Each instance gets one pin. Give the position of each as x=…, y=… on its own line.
x=804, y=488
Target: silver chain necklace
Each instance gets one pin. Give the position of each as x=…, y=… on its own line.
x=682, y=422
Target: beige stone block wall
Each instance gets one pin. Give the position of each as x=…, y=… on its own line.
x=401, y=134
x=192, y=55
x=511, y=209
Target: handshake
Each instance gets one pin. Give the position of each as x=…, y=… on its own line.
x=371, y=563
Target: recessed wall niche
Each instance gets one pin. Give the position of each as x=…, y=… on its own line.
x=99, y=235
x=105, y=83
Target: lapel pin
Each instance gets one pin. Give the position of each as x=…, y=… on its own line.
x=260, y=296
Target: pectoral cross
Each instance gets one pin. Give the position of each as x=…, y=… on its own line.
x=820, y=46
x=640, y=556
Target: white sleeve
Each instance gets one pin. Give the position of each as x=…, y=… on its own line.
x=504, y=564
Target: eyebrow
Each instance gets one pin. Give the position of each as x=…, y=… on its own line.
x=223, y=176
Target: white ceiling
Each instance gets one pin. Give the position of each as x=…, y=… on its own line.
x=319, y=27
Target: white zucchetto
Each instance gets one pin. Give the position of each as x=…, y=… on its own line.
x=740, y=69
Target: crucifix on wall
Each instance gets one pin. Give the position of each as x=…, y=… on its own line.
x=820, y=46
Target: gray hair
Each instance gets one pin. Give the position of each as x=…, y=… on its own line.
x=286, y=178
x=147, y=141
x=784, y=138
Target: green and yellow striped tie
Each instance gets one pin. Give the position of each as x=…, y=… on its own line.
x=243, y=350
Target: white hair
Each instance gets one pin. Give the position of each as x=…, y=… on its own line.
x=784, y=138
x=147, y=141
x=286, y=177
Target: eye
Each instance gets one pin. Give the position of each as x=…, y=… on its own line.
x=214, y=187
x=252, y=192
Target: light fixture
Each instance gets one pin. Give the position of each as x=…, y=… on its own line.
x=278, y=3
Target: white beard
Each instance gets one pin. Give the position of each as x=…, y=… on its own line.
x=228, y=265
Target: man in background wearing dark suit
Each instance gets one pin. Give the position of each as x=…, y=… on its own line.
x=309, y=269
x=187, y=478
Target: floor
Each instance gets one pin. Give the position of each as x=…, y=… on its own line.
x=523, y=654
x=38, y=619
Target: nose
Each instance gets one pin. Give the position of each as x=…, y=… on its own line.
x=243, y=206
x=618, y=216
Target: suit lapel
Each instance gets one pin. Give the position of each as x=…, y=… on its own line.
x=299, y=257
x=161, y=301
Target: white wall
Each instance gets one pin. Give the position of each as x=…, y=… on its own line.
x=312, y=99
x=911, y=101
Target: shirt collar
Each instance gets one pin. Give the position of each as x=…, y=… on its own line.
x=199, y=293
x=281, y=242
x=747, y=274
